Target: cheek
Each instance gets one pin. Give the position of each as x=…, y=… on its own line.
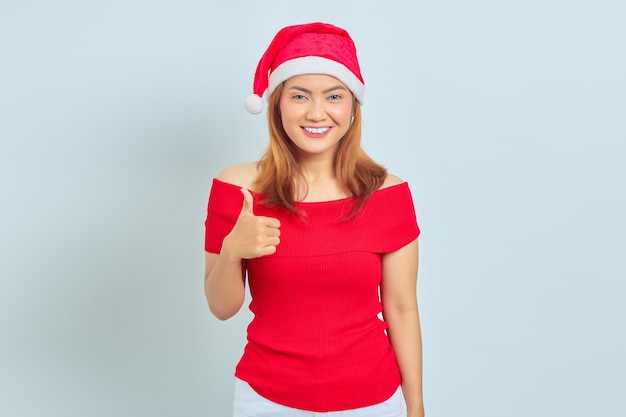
x=286, y=121
x=283, y=111
x=289, y=119
x=289, y=124
x=344, y=114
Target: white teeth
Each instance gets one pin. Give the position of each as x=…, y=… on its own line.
x=316, y=130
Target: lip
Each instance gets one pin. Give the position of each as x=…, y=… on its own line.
x=316, y=134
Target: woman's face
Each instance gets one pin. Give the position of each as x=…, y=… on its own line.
x=316, y=112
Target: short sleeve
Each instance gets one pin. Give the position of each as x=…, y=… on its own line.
x=390, y=214
x=224, y=206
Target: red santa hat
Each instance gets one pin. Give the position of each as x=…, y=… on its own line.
x=313, y=48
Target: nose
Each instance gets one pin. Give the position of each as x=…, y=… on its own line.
x=316, y=111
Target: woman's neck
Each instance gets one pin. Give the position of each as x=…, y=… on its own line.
x=315, y=170
x=320, y=182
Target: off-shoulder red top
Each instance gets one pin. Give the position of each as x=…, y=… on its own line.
x=316, y=341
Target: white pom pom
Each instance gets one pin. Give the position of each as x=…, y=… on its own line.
x=254, y=104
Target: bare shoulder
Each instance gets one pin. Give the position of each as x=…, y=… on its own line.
x=391, y=180
x=242, y=175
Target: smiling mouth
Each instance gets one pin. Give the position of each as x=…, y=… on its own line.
x=316, y=130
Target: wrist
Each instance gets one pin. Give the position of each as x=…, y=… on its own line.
x=415, y=412
x=415, y=409
x=226, y=252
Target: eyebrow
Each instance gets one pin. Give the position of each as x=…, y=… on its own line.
x=328, y=90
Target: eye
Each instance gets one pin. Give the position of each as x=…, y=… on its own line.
x=298, y=97
x=335, y=97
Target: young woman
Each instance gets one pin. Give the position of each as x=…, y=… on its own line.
x=327, y=240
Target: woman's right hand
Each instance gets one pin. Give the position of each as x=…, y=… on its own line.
x=252, y=236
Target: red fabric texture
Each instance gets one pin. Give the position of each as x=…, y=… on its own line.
x=316, y=341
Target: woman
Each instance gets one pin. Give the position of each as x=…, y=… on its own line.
x=328, y=240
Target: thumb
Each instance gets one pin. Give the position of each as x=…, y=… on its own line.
x=246, y=208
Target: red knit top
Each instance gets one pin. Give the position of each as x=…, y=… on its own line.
x=316, y=341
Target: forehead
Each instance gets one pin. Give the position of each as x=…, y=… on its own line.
x=314, y=82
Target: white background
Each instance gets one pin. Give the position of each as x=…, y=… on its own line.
x=507, y=119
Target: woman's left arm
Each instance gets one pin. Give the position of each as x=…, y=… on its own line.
x=399, y=298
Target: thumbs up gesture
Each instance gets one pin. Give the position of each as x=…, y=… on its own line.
x=252, y=236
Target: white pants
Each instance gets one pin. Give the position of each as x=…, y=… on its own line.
x=250, y=404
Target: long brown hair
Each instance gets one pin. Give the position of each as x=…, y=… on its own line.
x=280, y=171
